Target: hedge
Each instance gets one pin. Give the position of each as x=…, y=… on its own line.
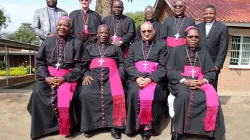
x=16, y=71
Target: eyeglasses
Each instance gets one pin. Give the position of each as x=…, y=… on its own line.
x=178, y=6
x=83, y=0
x=190, y=37
x=149, y=31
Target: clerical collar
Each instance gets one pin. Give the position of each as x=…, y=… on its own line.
x=52, y=8
x=117, y=17
x=88, y=11
x=179, y=16
x=149, y=42
x=211, y=23
x=150, y=20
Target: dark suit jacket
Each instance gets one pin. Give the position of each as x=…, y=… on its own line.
x=216, y=42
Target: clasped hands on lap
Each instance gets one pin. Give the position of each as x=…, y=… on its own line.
x=194, y=84
x=54, y=81
x=142, y=82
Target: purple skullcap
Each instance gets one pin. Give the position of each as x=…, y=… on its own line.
x=65, y=17
x=190, y=27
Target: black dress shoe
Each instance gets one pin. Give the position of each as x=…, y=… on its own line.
x=89, y=134
x=146, y=135
x=175, y=136
x=115, y=133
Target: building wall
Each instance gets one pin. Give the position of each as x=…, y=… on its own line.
x=231, y=81
x=17, y=60
x=235, y=81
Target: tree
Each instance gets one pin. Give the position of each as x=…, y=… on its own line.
x=3, y=19
x=104, y=7
x=24, y=35
x=138, y=17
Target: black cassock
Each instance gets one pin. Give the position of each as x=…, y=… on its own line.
x=172, y=25
x=190, y=105
x=44, y=117
x=97, y=104
x=123, y=27
x=157, y=54
x=157, y=26
x=78, y=21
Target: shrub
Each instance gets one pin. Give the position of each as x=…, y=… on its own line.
x=14, y=71
x=2, y=65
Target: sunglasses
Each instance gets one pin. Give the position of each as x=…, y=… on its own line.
x=190, y=37
x=178, y=6
x=149, y=31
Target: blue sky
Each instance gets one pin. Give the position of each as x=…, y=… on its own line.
x=21, y=11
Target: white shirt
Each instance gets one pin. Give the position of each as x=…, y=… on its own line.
x=208, y=27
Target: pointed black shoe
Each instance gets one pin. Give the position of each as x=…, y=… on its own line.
x=175, y=136
x=115, y=133
x=89, y=134
x=146, y=135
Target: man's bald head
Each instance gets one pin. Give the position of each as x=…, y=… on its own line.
x=103, y=34
x=117, y=7
x=179, y=7
x=147, y=31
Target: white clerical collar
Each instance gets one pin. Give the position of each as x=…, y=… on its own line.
x=50, y=8
x=211, y=23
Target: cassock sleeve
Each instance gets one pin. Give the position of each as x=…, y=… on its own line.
x=209, y=69
x=160, y=73
x=81, y=59
x=173, y=74
x=121, y=63
x=131, y=70
x=41, y=62
x=129, y=32
x=164, y=30
x=223, y=48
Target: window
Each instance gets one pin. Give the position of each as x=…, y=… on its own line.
x=240, y=52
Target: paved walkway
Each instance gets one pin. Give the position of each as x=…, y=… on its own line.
x=15, y=120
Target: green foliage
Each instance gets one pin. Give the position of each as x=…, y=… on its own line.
x=138, y=17
x=28, y=69
x=24, y=35
x=16, y=71
x=3, y=19
x=2, y=65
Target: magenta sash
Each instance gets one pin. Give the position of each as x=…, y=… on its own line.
x=147, y=93
x=212, y=100
x=64, y=95
x=172, y=42
x=119, y=108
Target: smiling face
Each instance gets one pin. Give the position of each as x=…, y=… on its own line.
x=117, y=8
x=179, y=8
x=209, y=15
x=192, y=38
x=63, y=27
x=51, y=3
x=85, y=3
x=103, y=34
x=147, y=31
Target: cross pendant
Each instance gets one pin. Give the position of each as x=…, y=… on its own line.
x=145, y=65
x=114, y=37
x=101, y=61
x=193, y=72
x=177, y=36
x=58, y=65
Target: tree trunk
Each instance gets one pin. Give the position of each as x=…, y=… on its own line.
x=103, y=7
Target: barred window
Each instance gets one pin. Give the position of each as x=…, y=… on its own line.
x=240, y=52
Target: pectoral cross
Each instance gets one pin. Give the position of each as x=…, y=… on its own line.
x=58, y=65
x=145, y=65
x=193, y=72
x=177, y=36
x=114, y=37
x=101, y=61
